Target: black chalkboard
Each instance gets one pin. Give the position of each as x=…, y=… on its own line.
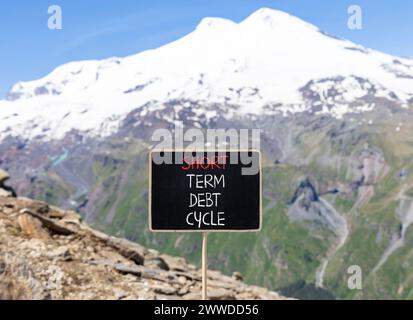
x=205, y=191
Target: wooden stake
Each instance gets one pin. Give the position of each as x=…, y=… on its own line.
x=204, y=265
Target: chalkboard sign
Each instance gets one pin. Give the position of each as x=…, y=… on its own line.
x=205, y=191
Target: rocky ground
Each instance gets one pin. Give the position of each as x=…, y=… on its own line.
x=49, y=253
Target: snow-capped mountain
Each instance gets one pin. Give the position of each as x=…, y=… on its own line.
x=270, y=62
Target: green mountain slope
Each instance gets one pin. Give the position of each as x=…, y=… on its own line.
x=340, y=193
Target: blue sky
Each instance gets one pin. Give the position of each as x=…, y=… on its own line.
x=95, y=29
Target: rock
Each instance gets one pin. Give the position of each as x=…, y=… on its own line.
x=46, y=252
x=55, y=277
x=50, y=224
x=9, y=190
x=237, y=276
x=127, y=249
x=60, y=253
x=4, y=176
x=191, y=267
x=13, y=290
x=112, y=256
x=32, y=227
x=182, y=280
x=245, y=296
x=39, y=207
x=56, y=213
x=183, y=291
x=156, y=262
x=187, y=275
x=192, y=296
x=33, y=248
x=223, y=284
x=119, y=294
x=123, y=269
x=8, y=204
x=220, y=294
x=5, y=193
x=72, y=216
x=19, y=282
x=175, y=263
x=164, y=289
x=212, y=294
x=167, y=297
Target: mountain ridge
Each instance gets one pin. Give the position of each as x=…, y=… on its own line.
x=49, y=253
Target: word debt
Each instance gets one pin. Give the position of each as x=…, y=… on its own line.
x=206, y=219
x=202, y=200
x=205, y=163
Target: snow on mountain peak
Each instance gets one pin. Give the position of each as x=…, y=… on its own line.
x=275, y=18
x=212, y=22
x=268, y=14
x=270, y=58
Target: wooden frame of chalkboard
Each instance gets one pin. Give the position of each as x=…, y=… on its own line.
x=257, y=229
